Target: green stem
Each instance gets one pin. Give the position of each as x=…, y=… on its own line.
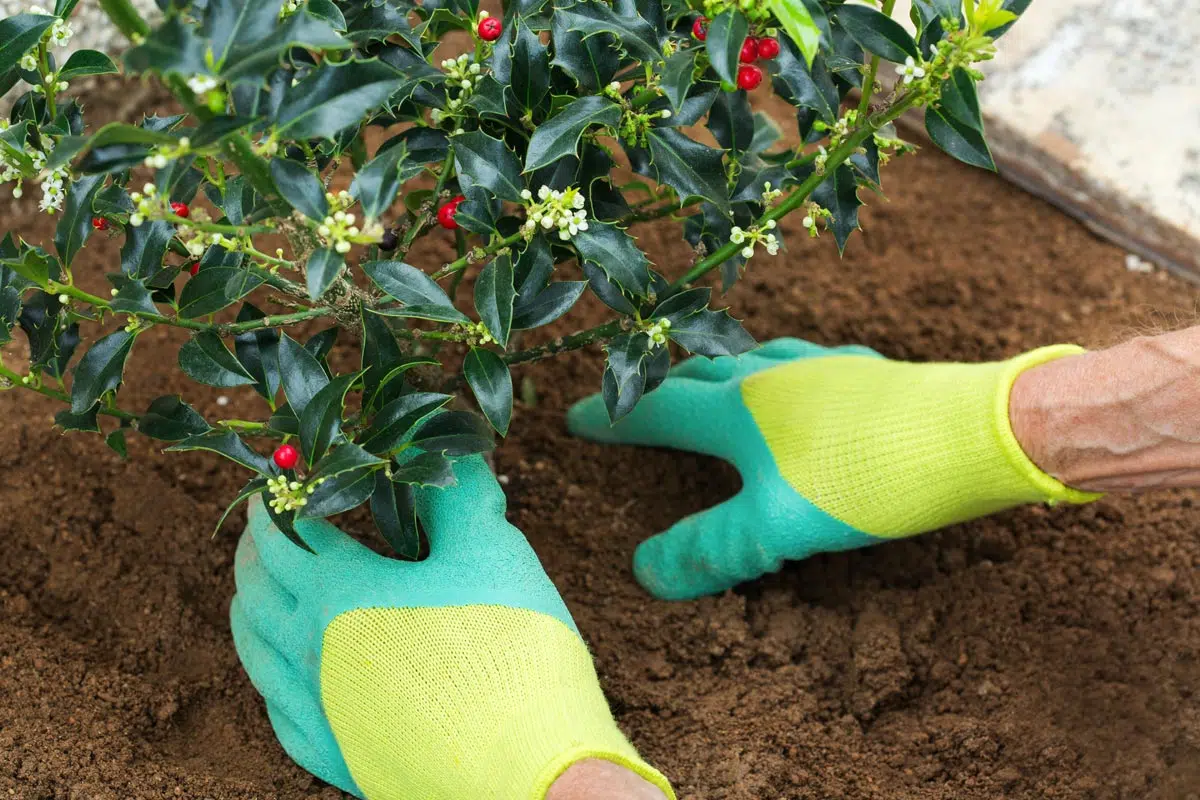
x=800, y=194
x=125, y=17
x=214, y=227
x=572, y=342
x=419, y=224
x=461, y=263
x=221, y=329
x=869, y=84
x=62, y=397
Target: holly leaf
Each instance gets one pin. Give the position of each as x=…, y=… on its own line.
x=301, y=189
x=547, y=305
x=18, y=34
x=688, y=167
x=334, y=96
x=323, y=267
x=378, y=182
x=491, y=382
x=559, y=136
x=396, y=419
x=144, y=248
x=86, y=62
x=258, y=352
x=301, y=373
x=420, y=294
x=171, y=420
x=490, y=164
x=100, y=370
x=393, y=507
x=958, y=139
x=711, y=333
x=624, y=380
x=247, y=63
x=877, y=33
x=321, y=420
x=172, y=48
x=614, y=251
x=214, y=288
x=591, y=62
x=801, y=28
x=205, y=359
x=678, y=76
x=76, y=223
x=530, y=79
x=494, y=295
x=454, y=433
x=726, y=35
x=636, y=35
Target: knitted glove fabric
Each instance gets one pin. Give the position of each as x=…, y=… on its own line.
x=460, y=676
x=838, y=448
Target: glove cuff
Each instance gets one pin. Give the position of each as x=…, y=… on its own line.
x=895, y=449
x=478, y=701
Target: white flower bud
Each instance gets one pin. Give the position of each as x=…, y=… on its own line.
x=747, y=252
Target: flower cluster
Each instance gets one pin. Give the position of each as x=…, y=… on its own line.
x=754, y=10
x=656, y=331
x=60, y=32
x=462, y=73
x=477, y=334
x=53, y=183
x=814, y=214
x=148, y=204
x=556, y=209
x=289, y=7
x=290, y=495
x=162, y=155
x=755, y=236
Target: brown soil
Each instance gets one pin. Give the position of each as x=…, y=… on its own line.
x=1041, y=653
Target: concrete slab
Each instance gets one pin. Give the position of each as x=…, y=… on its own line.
x=1095, y=105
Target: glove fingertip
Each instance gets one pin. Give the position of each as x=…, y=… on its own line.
x=588, y=419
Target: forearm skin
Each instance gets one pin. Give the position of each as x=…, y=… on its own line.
x=595, y=779
x=1122, y=419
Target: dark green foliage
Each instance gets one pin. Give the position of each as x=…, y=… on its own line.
x=515, y=148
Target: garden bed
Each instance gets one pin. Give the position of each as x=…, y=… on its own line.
x=1040, y=653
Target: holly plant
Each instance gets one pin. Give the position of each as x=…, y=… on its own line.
x=320, y=139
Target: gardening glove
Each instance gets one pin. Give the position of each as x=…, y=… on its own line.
x=837, y=448
x=460, y=676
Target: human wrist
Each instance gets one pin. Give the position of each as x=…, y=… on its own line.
x=599, y=779
x=1124, y=418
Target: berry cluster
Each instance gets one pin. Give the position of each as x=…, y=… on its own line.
x=445, y=214
x=749, y=77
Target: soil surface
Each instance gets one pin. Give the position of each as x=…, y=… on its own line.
x=1037, y=654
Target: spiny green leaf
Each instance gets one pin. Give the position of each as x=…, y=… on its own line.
x=301, y=189
x=205, y=359
x=324, y=265
x=490, y=164
x=559, y=136
x=726, y=34
x=877, y=33
x=421, y=296
x=76, y=223
x=333, y=97
x=100, y=370
x=171, y=420
x=959, y=140
x=494, y=295
x=491, y=382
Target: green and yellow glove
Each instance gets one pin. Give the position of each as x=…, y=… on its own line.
x=460, y=676
x=838, y=448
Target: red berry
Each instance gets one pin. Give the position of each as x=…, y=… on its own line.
x=749, y=50
x=490, y=29
x=445, y=214
x=768, y=47
x=286, y=456
x=749, y=77
x=180, y=209
x=100, y=223
x=193, y=268
x=700, y=28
